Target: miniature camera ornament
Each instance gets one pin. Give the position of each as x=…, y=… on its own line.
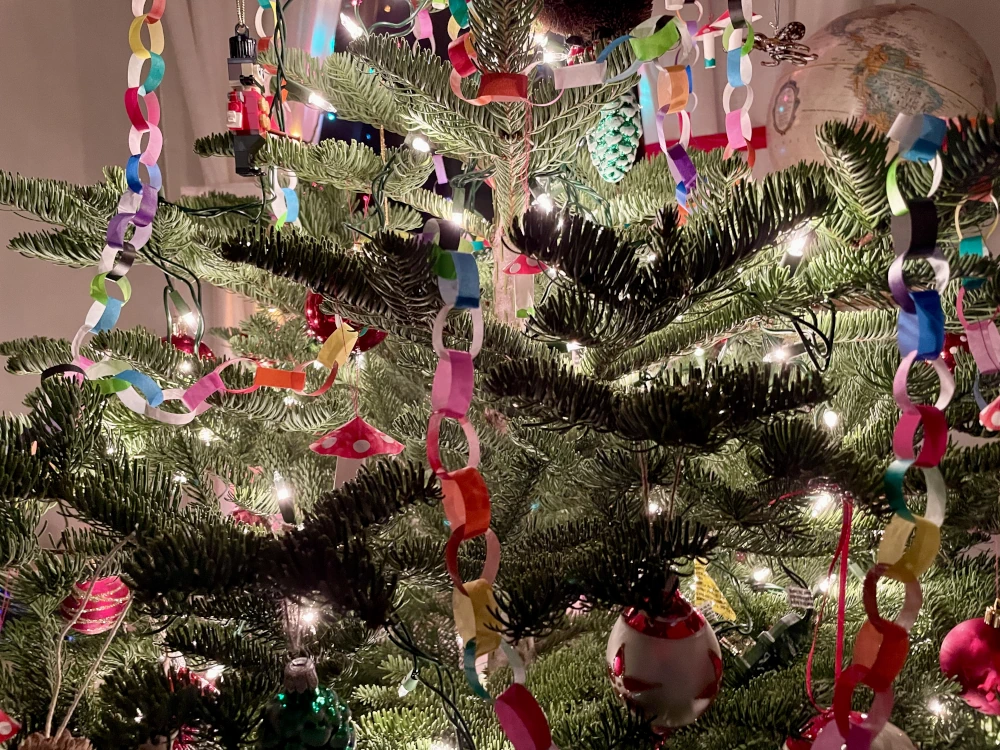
x=970, y=655
x=669, y=667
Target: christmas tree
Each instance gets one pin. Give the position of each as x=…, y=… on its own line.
x=677, y=451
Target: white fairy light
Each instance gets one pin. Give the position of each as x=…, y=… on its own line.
x=352, y=28
x=215, y=672
x=797, y=245
x=180, y=478
x=138, y=716
x=541, y=39
x=651, y=257
x=421, y=144
x=309, y=616
x=284, y=493
x=821, y=503
x=320, y=103
x=936, y=707
x=110, y=450
x=544, y=202
x=761, y=574
x=573, y=346
x=186, y=366
x=780, y=354
x=189, y=319
x=205, y=435
x=831, y=419
x=654, y=508
x=699, y=351
x=290, y=400
x=549, y=57
x=824, y=584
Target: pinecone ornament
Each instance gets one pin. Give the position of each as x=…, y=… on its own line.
x=614, y=142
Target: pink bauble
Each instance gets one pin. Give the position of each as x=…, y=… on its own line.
x=669, y=667
x=890, y=738
x=182, y=342
x=970, y=654
x=109, y=599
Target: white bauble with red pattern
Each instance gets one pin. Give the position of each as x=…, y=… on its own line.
x=668, y=667
x=890, y=738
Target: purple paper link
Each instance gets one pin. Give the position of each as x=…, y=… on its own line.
x=439, y=170
x=147, y=208
x=685, y=166
x=117, y=228
x=897, y=285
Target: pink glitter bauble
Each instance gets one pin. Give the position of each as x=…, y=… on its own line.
x=109, y=599
x=970, y=655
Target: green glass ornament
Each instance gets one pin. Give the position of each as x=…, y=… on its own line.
x=614, y=142
x=305, y=715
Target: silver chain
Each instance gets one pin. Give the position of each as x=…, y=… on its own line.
x=241, y=13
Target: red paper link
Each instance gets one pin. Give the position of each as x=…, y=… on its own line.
x=522, y=719
x=467, y=502
x=265, y=377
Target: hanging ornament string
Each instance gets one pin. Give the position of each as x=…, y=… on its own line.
x=467, y=505
x=839, y=555
x=881, y=646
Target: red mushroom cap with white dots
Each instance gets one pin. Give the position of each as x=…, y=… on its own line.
x=357, y=439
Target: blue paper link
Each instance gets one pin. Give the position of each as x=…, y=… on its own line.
x=109, y=317
x=132, y=175
x=733, y=72
x=922, y=331
x=611, y=48
x=690, y=79
x=467, y=296
x=972, y=246
x=146, y=385
x=682, y=194
x=471, y=676
x=932, y=132
x=292, y=204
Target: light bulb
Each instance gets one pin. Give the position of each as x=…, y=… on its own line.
x=821, y=503
x=699, y=352
x=290, y=401
x=936, y=707
x=320, y=103
x=544, y=202
x=549, y=57
x=830, y=418
x=180, y=478
x=189, y=319
x=651, y=258
x=309, y=616
x=185, y=366
x=206, y=435
x=541, y=39
x=458, y=217
x=110, y=450
x=824, y=584
x=761, y=574
x=421, y=144
x=284, y=493
x=572, y=346
x=215, y=672
x=352, y=28
x=654, y=508
x=779, y=354
x=797, y=245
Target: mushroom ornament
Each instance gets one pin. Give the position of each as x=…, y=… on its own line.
x=352, y=443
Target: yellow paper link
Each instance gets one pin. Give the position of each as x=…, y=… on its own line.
x=474, y=618
x=338, y=347
x=135, y=37
x=706, y=590
x=909, y=562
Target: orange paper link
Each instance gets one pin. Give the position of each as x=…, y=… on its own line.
x=265, y=377
x=467, y=502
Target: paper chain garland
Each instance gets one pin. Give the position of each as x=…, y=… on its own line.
x=467, y=508
x=881, y=646
x=737, y=39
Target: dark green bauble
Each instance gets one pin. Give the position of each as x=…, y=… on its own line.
x=313, y=718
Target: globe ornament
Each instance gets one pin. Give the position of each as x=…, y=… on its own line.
x=890, y=738
x=305, y=714
x=614, y=142
x=667, y=667
x=970, y=655
x=873, y=64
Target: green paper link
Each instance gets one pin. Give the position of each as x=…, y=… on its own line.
x=471, y=676
x=98, y=293
x=894, y=487
x=747, y=45
x=444, y=265
x=897, y=203
x=107, y=386
x=460, y=10
x=652, y=46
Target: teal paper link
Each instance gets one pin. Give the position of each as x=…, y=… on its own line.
x=894, y=487
x=471, y=676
